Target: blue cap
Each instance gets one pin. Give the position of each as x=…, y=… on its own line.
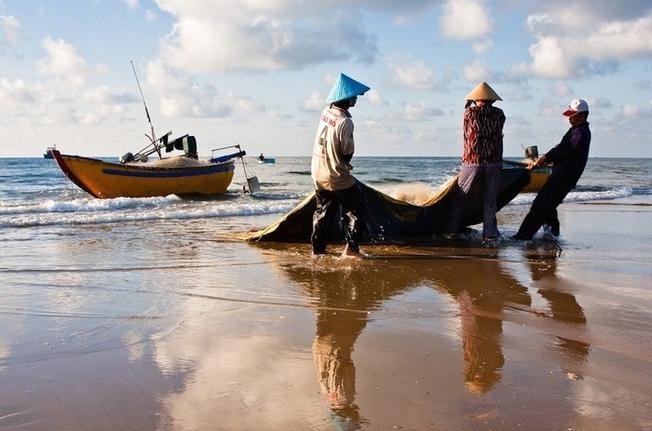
x=346, y=88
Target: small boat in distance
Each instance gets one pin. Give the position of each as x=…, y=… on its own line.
x=263, y=159
x=48, y=152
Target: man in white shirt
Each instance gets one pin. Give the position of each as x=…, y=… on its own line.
x=331, y=170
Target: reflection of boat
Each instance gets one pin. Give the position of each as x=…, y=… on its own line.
x=181, y=175
x=48, y=152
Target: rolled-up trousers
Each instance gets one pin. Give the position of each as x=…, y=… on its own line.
x=328, y=204
x=468, y=176
x=543, y=211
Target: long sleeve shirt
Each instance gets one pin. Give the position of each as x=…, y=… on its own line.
x=569, y=157
x=332, y=151
x=483, y=135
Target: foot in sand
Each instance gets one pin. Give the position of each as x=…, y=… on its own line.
x=348, y=253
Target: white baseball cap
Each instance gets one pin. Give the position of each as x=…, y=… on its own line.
x=576, y=106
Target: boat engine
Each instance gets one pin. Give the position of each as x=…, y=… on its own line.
x=126, y=158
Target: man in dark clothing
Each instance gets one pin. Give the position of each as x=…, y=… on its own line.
x=569, y=158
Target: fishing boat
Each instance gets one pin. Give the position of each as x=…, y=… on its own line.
x=538, y=175
x=263, y=159
x=135, y=176
x=48, y=152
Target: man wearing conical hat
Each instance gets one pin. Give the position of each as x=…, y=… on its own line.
x=481, y=161
x=331, y=169
x=569, y=159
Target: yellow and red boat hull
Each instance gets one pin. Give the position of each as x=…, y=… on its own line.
x=111, y=180
x=538, y=177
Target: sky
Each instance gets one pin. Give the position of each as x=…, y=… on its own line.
x=256, y=72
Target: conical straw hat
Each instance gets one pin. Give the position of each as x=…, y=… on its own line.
x=345, y=88
x=483, y=92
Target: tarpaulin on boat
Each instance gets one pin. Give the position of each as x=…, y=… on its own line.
x=390, y=220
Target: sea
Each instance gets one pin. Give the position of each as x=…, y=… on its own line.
x=37, y=199
x=150, y=313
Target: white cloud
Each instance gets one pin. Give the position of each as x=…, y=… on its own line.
x=621, y=40
x=549, y=59
x=476, y=72
x=604, y=44
x=330, y=79
x=181, y=95
x=243, y=105
x=465, y=19
x=631, y=111
x=561, y=89
x=62, y=61
x=15, y=92
x=315, y=102
x=482, y=47
x=11, y=28
x=375, y=98
x=131, y=4
x=599, y=102
x=61, y=102
x=413, y=75
x=262, y=35
x=419, y=112
x=150, y=15
x=102, y=69
x=539, y=24
x=103, y=95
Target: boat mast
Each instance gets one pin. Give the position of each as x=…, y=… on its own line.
x=153, y=137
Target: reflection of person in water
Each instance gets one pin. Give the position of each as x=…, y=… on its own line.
x=563, y=306
x=332, y=350
x=345, y=299
x=482, y=294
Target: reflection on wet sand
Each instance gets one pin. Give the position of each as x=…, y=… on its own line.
x=345, y=301
x=483, y=295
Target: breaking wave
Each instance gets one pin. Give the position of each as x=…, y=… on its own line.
x=108, y=211
x=580, y=196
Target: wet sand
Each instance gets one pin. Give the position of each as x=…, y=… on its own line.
x=122, y=330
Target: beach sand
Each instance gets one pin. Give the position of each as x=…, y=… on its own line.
x=196, y=332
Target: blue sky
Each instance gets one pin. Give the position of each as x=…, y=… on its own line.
x=256, y=72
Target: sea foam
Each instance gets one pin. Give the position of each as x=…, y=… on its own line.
x=130, y=213
x=622, y=192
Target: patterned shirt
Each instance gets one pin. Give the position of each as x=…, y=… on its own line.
x=483, y=135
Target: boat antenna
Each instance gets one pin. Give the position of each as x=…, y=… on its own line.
x=153, y=137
